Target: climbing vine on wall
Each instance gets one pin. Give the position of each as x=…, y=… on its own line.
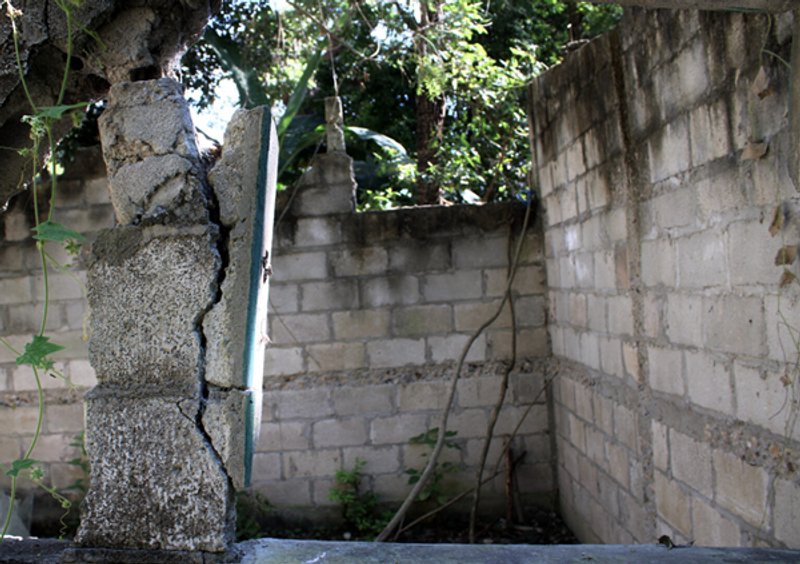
x=37, y=353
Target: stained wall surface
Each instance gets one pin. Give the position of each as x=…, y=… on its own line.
x=662, y=152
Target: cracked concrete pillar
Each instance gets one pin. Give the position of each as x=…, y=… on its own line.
x=177, y=293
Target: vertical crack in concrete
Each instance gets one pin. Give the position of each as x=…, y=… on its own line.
x=219, y=241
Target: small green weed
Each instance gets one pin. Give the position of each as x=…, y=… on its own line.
x=359, y=509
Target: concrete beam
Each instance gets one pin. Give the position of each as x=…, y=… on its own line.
x=774, y=6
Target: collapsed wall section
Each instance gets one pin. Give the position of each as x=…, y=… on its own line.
x=662, y=152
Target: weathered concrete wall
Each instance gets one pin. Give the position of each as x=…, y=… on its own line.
x=368, y=314
x=677, y=400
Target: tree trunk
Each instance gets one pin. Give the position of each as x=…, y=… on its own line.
x=430, y=116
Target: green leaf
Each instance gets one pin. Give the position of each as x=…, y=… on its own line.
x=52, y=231
x=55, y=112
x=36, y=353
x=299, y=93
x=19, y=465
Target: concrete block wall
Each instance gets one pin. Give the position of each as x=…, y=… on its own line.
x=83, y=205
x=677, y=396
x=368, y=314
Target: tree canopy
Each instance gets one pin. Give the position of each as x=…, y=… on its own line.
x=434, y=89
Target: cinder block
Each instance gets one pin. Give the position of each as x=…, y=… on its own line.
x=15, y=290
x=419, y=258
x=611, y=356
x=299, y=266
x=471, y=423
x=669, y=212
x=336, y=356
x=391, y=487
x=315, y=463
x=590, y=350
x=709, y=132
x=327, y=296
x=25, y=381
x=282, y=436
x=652, y=305
x=266, y=467
x=361, y=324
x=584, y=269
x=618, y=464
x=64, y=418
x=684, y=319
x=625, y=428
x=421, y=320
x=583, y=402
x=787, y=513
x=741, y=488
x=283, y=361
x=780, y=314
x=595, y=446
x=702, y=260
x=527, y=281
x=379, y=460
x=751, y=254
x=568, y=201
x=735, y=324
x=605, y=270
x=397, y=429
x=296, y=329
x=596, y=313
x=359, y=261
x=478, y=392
x=423, y=395
x=711, y=528
x=673, y=504
x=724, y=193
x=658, y=262
x=321, y=492
x=576, y=165
x=480, y=252
x=533, y=423
x=603, y=411
x=95, y=190
x=417, y=456
x=461, y=285
x=635, y=519
x=691, y=462
x=668, y=150
x=16, y=227
x=630, y=359
x=317, y=231
x=666, y=370
x=54, y=448
x=361, y=400
x=450, y=348
x=391, y=290
x=660, y=445
x=283, y=298
x=395, y=352
x=307, y=404
x=762, y=399
x=286, y=493
x=339, y=432
x=709, y=382
x=470, y=316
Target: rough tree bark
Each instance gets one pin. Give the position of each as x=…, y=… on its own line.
x=430, y=114
x=140, y=39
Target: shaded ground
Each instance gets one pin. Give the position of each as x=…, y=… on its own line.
x=540, y=527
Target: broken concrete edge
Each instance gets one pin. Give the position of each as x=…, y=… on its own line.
x=285, y=551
